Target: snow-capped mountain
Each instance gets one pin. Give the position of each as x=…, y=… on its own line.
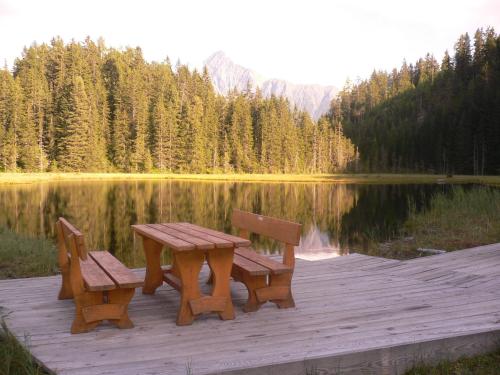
x=226, y=76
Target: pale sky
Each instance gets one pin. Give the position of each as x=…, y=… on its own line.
x=308, y=41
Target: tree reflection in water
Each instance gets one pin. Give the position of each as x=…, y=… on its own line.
x=334, y=216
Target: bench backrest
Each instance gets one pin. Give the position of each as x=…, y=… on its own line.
x=277, y=229
x=71, y=250
x=67, y=237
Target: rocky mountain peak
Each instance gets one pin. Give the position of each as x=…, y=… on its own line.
x=227, y=75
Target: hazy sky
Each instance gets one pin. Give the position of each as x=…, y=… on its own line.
x=304, y=41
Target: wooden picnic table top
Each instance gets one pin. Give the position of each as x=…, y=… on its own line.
x=187, y=236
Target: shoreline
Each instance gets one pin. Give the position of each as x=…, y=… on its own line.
x=8, y=178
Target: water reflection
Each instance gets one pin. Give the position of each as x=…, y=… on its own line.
x=333, y=216
x=317, y=245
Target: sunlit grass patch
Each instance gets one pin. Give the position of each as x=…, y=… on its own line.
x=361, y=178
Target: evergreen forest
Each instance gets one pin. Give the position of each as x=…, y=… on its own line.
x=429, y=117
x=81, y=106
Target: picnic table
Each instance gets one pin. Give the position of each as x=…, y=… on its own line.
x=191, y=245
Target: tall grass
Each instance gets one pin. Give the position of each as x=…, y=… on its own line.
x=14, y=358
x=462, y=219
x=25, y=256
x=488, y=364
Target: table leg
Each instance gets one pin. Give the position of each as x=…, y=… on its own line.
x=188, y=265
x=220, y=262
x=154, y=274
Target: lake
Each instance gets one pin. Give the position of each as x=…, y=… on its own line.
x=335, y=217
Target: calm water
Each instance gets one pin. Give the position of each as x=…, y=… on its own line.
x=335, y=217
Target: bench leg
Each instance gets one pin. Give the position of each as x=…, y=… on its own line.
x=188, y=264
x=122, y=297
x=253, y=283
x=280, y=281
x=83, y=301
x=221, y=263
x=66, y=292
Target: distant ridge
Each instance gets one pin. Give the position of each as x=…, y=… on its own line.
x=227, y=75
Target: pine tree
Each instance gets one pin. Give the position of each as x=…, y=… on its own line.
x=75, y=132
x=241, y=136
x=10, y=120
x=198, y=152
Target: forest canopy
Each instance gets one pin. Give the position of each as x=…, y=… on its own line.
x=429, y=117
x=81, y=106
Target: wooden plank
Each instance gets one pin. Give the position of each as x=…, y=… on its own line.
x=352, y=317
x=226, y=345
x=348, y=318
x=198, y=242
x=207, y=304
x=246, y=264
x=95, y=313
x=216, y=241
x=272, y=292
x=69, y=229
x=350, y=363
x=172, y=280
x=281, y=230
x=94, y=278
x=163, y=238
x=116, y=270
x=237, y=241
x=274, y=266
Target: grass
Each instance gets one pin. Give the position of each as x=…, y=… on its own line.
x=24, y=256
x=488, y=364
x=463, y=219
x=15, y=359
x=22, y=178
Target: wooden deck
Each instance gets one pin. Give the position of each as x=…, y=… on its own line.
x=355, y=314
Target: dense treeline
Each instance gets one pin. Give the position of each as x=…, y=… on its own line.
x=86, y=107
x=428, y=116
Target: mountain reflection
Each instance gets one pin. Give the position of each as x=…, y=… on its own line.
x=317, y=245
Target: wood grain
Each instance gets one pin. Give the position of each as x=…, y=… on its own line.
x=175, y=243
x=353, y=313
x=278, y=229
x=237, y=241
x=216, y=241
x=121, y=275
x=272, y=265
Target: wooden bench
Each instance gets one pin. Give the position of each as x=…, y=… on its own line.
x=100, y=284
x=266, y=279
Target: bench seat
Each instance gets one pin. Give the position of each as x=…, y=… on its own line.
x=94, y=277
x=257, y=264
x=116, y=270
